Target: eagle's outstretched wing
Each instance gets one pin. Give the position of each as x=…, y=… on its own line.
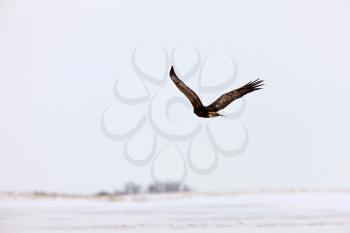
x=228, y=97
x=190, y=94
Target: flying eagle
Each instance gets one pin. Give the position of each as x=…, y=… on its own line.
x=220, y=103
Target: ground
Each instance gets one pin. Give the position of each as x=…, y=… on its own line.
x=307, y=212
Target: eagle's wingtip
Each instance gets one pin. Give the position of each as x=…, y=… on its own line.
x=172, y=70
x=258, y=83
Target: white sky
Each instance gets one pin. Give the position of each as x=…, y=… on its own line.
x=59, y=61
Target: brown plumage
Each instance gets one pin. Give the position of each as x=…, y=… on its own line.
x=220, y=103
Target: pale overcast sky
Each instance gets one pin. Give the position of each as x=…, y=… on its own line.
x=59, y=61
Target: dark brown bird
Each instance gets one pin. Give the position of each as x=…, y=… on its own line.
x=220, y=103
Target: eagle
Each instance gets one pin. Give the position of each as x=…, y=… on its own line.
x=220, y=103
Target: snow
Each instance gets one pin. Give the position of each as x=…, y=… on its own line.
x=259, y=212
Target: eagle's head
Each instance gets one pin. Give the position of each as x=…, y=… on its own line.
x=213, y=114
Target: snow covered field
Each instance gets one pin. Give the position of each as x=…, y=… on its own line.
x=307, y=212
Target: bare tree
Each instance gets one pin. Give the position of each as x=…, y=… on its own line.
x=132, y=188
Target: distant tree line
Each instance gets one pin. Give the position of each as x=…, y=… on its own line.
x=157, y=187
